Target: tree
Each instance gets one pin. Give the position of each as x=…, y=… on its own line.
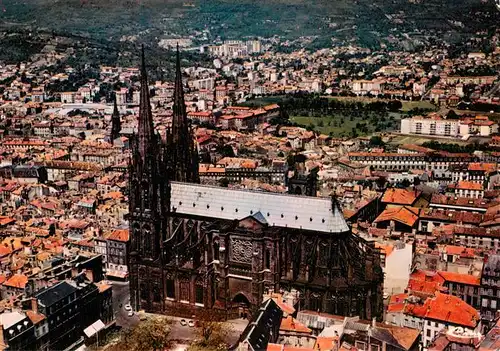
x=212, y=334
x=224, y=182
x=405, y=183
x=376, y=140
x=149, y=335
x=227, y=151
x=394, y=105
x=452, y=115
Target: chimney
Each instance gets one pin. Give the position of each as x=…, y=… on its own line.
x=374, y=322
x=34, y=304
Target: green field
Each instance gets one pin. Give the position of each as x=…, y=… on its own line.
x=342, y=125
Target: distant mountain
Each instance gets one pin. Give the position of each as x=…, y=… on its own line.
x=150, y=20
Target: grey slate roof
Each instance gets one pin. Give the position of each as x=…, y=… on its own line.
x=55, y=293
x=279, y=210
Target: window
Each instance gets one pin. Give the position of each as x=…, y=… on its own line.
x=494, y=304
x=184, y=291
x=170, y=289
x=199, y=294
x=156, y=294
x=428, y=333
x=360, y=345
x=268, y=259
x=144, y=292
x=216, y=250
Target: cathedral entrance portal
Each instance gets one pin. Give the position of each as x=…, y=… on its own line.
x=242, y=305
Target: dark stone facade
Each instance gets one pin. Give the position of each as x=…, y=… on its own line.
x=181, y=262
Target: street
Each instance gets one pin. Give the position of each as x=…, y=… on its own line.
x=180, y=335
x=121, y=296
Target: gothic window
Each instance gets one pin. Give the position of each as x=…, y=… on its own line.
x=147, y=239
x=136, y=235
x=144, y=292
x=136, y=192
x=184, y=291
x=315, y=302
x=216, y=250
x=156, y=293
x=170, y=289
x=323, y=254
x=145, y=191
x=199, y=294
x=268, y=259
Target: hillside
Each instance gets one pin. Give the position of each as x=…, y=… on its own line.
x=366, y=21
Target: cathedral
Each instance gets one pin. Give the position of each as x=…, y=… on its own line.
x=197, y=247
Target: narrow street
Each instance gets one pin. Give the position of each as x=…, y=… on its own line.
x=121, y=296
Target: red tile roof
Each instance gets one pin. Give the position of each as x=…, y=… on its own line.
x=459, y=201
x=448, y=309
x=402, y=214
x=400, y=196
x=291, y=324
x=324, y=343
x=460, y=251
x=485, y=167
x=451, y=216
x=467, y=279
x=17, y=281
x=35, y=317
x=119, y=235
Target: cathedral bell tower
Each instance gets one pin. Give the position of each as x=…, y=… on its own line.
x=181, y=150
x=115, y=123
x=147, y=185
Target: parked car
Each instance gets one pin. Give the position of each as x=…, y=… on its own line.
x=128, y=307
x=131, y=313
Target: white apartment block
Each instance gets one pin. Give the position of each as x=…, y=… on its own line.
x=436, y=125
x=364, y=87
x=429, y=126
x=204, y=84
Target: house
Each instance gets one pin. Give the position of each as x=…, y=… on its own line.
x=432, y=218
x=466, y=189
x=14, y=286
x=397, y=264
x=490, y=280
x=403, y=197
x=18, y=331
x=117, y=246
x=439, y=312
x=459, y=203
x=398, y=218
x=464, y=286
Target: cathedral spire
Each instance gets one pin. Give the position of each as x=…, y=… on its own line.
x=115, y=123
x=179, y=119
x=146, y=129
